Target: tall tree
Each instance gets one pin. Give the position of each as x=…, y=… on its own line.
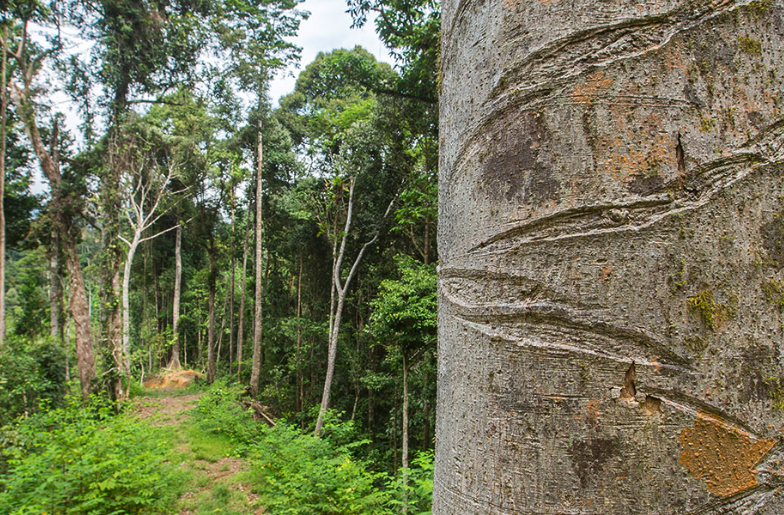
x=64, y=205
x=145, y=191
x=610, y=239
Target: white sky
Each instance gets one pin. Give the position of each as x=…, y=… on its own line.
x=328, y=28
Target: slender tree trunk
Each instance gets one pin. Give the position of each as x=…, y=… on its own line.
x=3, y=128
x=231, y=287
x=55, y=293
x=241, y=322
x=299, y=387
x=256, y=367
x=126, y=308
x=609, y=224
x=67, y=347
x=174, y=363
x=211, y=316
x=222, y=326
x=341, y=290
x=404, y=452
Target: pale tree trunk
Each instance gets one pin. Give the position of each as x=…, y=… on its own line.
x=140, y=217
x=404, y=453
x=231, y=286
x=3, y=117
x=340, y=290
x=610, y=228
x=174, y=363
x=256, y=367
x=55, y=292
x=241, y=322
x=126, y=308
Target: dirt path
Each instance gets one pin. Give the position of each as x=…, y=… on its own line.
x=217, y=481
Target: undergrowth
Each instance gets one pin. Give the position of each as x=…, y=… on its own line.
x=295, y=473
x=85, y=460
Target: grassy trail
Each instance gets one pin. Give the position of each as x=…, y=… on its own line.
x=216, y=481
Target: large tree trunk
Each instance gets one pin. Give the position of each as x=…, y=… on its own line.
x=85, y=361
x=610, y=230
x=256, y=367
x=174, y=363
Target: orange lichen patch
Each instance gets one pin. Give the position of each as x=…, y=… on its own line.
x=721, y=455
x=584, y=93
x=177, y=379
x=593, y=409
x=606, y=272
x=623, y=165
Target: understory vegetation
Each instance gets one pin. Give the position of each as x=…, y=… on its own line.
x=81, y=459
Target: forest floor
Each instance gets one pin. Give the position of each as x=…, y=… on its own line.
x=216, y=481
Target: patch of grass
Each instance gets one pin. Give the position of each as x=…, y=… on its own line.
x=208, y=446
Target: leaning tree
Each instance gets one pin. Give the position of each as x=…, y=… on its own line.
x=612, y=249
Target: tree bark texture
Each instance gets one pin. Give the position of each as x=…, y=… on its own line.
x=55, y=293
x=4, y=100
x=255, y=372
x=174, y=363
x=241, y=322
x=211, y=366
x=612, y=258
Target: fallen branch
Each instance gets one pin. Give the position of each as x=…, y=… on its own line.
x=258, y=411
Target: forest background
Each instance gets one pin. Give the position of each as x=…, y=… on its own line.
x=289, y=249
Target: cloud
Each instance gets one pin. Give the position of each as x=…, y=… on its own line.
x=328, y=28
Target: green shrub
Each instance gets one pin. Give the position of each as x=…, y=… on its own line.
x=417, y=494
x=299, y=474
x=220, y=412
x=84, y=460
x=30, y=370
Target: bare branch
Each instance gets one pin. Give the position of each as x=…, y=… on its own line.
x=158, y=234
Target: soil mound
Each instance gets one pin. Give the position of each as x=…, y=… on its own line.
x=173, y=379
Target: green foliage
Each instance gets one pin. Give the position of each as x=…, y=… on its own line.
x=406, y=311
x=300, y=474
x=81, y=460
x=219, y=412
x=417, y=492
x=26, y=297
x=30, y=371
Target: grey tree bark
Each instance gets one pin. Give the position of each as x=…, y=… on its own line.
x=241, y=322
x=174, y=363
x=612, y=258
x=255, y=372
x=4, y=101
